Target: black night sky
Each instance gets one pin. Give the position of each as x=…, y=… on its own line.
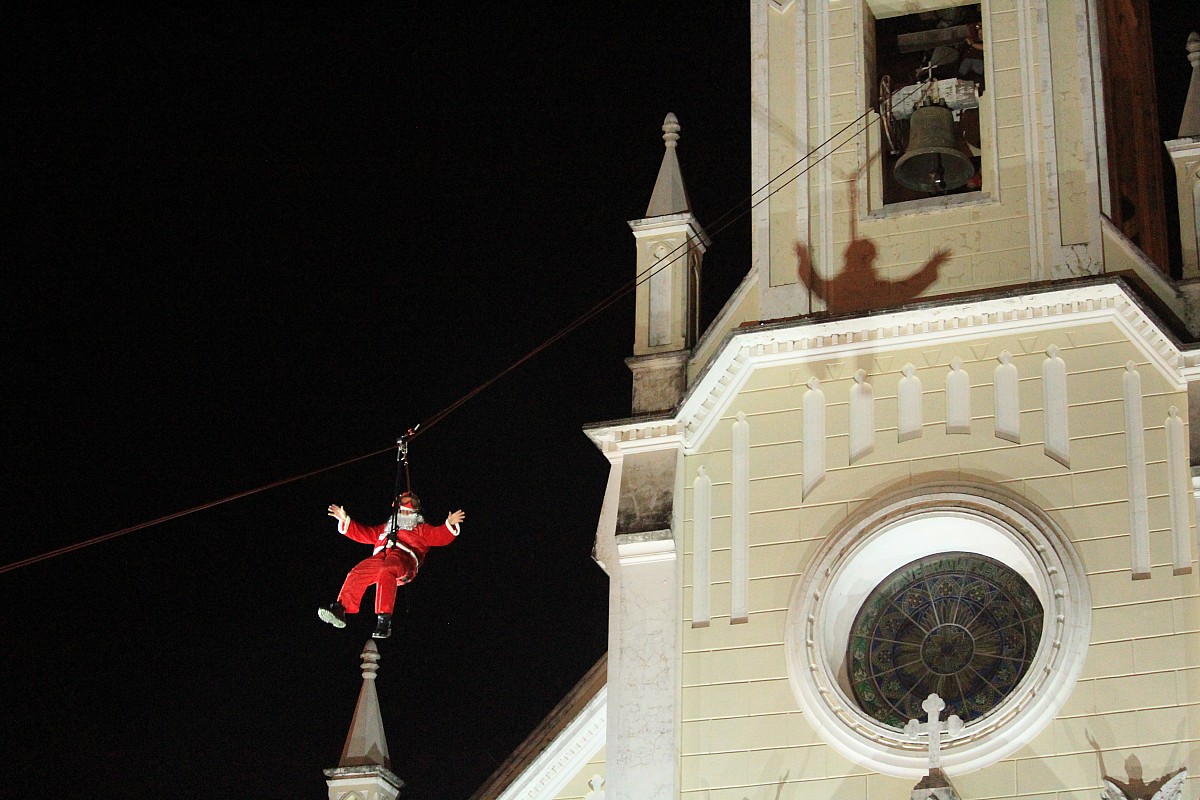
x=247, y=243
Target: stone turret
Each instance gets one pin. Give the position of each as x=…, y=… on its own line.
x=670, y=249
x=365, y=768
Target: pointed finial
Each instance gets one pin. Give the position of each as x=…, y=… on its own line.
x=671, y=130
x=370, y=658
x=669, y=195
x=366, y=742
x=1189, y=124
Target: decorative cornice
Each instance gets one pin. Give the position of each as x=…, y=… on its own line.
x=617, y=439
x=811, y=339
x=684, y=222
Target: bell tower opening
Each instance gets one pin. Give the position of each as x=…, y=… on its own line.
x=926, y=70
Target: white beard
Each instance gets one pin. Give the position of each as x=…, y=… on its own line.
x=405, y=521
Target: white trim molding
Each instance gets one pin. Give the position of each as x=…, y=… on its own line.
x=565, y=756
x=809, y=340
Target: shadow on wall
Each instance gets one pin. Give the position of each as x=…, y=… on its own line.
x=858, y=286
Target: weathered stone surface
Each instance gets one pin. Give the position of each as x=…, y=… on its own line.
x=659, y=381
x=647, y=492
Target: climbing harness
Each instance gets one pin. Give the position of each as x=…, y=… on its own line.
x=401, y=470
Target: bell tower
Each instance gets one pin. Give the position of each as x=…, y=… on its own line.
x=670, y=250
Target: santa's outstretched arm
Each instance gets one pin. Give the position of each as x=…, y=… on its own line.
x=354, y=530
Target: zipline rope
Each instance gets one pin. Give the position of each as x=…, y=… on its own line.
x=723, y=222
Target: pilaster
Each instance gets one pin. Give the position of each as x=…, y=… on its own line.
x=638, y=541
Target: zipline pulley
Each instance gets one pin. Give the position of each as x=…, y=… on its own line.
x=402, y=459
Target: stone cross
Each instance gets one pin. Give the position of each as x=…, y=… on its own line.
x=934, y=728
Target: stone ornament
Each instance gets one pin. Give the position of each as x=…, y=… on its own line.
x=934, y=728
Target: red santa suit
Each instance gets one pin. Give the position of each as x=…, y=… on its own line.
x=396, y=558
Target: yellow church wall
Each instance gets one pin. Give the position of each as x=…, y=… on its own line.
x=743, y=734
x=989, y=236
x=786, y=144
x=1068, y=113
x=577, y=788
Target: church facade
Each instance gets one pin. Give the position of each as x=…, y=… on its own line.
x=915, y=515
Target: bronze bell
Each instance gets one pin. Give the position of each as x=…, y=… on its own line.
x=934, y=161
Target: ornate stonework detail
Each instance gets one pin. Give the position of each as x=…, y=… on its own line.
x=1178, y=473
x=1054, y=407
x=1006, y=387
x=933, y=728
x=1189, y=125
x=1135, y=460
x=958, y=625
x=811, y=342
x=911, y=417
x=862, y=417
x=702, y=557
x=958, y=398
x=740, y=540
x=921, y=522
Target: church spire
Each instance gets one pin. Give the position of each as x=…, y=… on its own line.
x=670, y=251
x=669, y=195
x=366, y=742
x=365, y=766
x=1189, y=125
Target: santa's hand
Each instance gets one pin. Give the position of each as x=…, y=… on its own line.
x=455, y=517
x=338, y=513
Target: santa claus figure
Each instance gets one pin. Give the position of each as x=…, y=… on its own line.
x=400, y=547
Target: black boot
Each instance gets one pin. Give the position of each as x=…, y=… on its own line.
x=383, y=628
x=334, y=614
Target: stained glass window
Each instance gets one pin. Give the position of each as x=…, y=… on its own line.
x=959, y=624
